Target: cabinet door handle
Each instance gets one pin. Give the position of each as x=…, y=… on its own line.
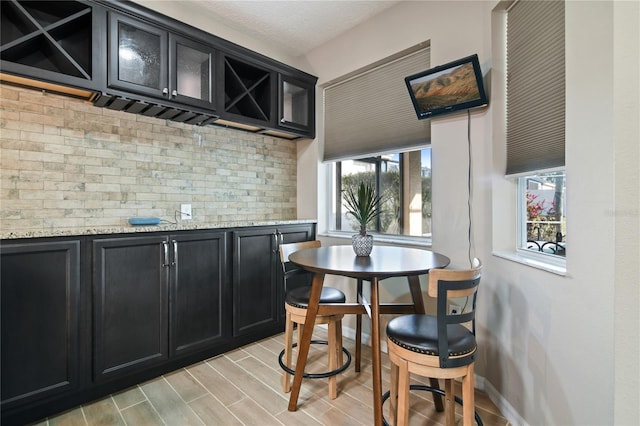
x=175, y=253
x=174, y=93
x=282, y=120
x=277, y=240
x=165, y=91
x=165, y=260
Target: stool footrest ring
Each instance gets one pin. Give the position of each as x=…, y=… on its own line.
x=439, y=391
x=318, y=375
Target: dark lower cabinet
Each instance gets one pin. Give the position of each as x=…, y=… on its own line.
x=258, y=293
x=200, y=294
x=157, y=298
x=40, y=284
x=85, y=317
x=131, y=304
x=255, y=293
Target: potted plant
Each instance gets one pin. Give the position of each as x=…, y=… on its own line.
x=364, y=205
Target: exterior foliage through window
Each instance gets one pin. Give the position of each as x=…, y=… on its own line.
x=404, y=182
x=543, y=198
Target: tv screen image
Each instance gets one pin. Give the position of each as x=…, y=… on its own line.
x=447, y=88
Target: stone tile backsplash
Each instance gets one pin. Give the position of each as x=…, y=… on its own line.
x=67, y=164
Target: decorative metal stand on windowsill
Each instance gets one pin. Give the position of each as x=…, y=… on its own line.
x=557, y=247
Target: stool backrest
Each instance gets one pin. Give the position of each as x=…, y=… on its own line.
x=287, y=250
x=447, y=284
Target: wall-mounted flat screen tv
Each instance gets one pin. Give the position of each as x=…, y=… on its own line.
x=447, y=88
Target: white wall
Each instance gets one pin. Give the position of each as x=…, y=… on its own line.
x=552, y=335
x=626, y=107
x=547, y=341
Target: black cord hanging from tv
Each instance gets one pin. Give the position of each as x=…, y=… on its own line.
x=469, y=236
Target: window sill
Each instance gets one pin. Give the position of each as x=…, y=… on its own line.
x=400, y=240
x=555, y=266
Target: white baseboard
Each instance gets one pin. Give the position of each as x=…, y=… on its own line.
x=503, y=405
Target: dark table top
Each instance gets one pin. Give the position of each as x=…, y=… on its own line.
x=384, y=261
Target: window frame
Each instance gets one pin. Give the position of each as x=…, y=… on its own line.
x=521, y=222
x=378, y=178
x=335, y=220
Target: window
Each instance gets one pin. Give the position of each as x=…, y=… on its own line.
x=386, y=152
x=542, y=209
x=403, y=179
x=535, y=123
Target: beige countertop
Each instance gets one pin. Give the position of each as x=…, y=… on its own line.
x=124, y=229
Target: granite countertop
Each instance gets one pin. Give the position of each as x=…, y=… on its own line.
x=124, y=229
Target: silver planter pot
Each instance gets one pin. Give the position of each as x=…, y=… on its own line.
x=362, y=246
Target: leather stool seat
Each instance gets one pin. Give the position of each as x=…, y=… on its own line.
x=299, y=297
x=439, y=347
x=296, y=304
x=419, y=333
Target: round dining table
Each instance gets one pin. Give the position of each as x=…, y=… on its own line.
x=384, y=262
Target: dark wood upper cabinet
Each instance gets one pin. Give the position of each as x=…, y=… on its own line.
x=259, y=97
x=129, y=58
x=247, y=91
x=191, y=72
x=52, y=41
x=296, y=109
x=151, y=61
x=138, y=57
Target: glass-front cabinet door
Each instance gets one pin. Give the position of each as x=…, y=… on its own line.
x=296, y=108
x=137, y=57
x=191, y=72
x=151, y=61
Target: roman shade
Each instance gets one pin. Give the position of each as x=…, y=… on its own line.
x=369, y=112
x=535, y=86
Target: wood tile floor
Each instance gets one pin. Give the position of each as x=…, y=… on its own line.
x=242, y=387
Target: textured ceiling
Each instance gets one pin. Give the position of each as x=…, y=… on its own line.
x=294, y=26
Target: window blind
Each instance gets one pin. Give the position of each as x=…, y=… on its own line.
x=535, y=86
x=369, y=112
